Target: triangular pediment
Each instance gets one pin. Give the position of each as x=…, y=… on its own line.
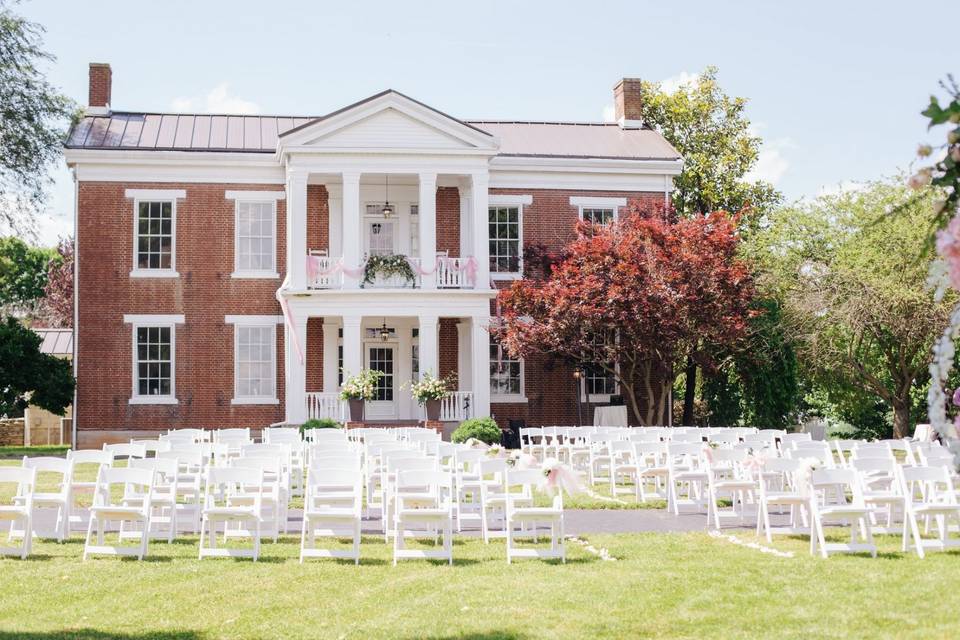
x=389, y=121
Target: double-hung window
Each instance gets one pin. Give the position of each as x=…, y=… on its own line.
x=255, y=359
x=599, y=383
x=597, y=210
x=154, y=232
x=255, y=242
x=154, y=358
x=505, y=234
x=506, y=375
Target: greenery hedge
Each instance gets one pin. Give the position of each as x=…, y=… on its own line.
x=483, y=429
x=320, y=423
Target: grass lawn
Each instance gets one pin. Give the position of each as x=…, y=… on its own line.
x=18, y=452
x=662, y=585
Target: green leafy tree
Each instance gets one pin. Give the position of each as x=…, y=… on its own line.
x=855, y=294
x=33, y=119
x=712, y=132
x=23, y=273
x=28, y=376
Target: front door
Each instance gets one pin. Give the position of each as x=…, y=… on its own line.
x=382, y=358
x=381, y=237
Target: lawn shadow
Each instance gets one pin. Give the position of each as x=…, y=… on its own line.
x=478, y=635
x=96, y=634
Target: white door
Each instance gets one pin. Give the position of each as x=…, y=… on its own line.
x=381, y=237
x=382, y=358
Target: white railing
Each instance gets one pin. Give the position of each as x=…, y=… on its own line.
x=326, y=405
x=456, y=406
x=450, y=272
x=325, y=272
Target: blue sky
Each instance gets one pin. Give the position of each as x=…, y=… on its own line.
x=835, y=88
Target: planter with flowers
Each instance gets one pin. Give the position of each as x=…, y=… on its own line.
x=358, y=389
x=429, y=391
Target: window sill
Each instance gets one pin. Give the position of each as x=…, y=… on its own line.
x=154, y=273
x=242, y=401
x=514, y=399
x=255, y=275
x=599, y=398
x=506, y=276
x=154, y=400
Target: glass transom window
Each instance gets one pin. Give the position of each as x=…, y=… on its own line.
x=504, y=236
x=155, y=235
x=256, y=237
x=154, y=361
x=256, y=362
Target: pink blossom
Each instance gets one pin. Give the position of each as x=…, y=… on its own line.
x=956, y=397
x=948, y=246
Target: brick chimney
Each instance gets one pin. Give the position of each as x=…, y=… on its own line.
x=628, y=103
x=101, y=79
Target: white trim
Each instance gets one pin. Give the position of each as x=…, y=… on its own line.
x=504, y=398
x=157, y=319
x=154, y=273
x=587, y=165
x=270, y=272
x=266, y=322
x=156, y=194
x=252, y=320
x=270, y=196
x=138, y=321
x=508, y=399
x=500, y=200
x=597, y=202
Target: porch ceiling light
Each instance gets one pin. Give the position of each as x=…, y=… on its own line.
x=387, y=209
x=384, y=331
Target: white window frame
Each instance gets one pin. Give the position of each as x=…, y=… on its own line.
x=155, y=195
x=148, y=321
x=259, y=322
x=253, y=197
x=600, y=398
x=511, y=398
x=596, y=202
x=518, y=201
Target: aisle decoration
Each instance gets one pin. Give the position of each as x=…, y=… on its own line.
x=387, y=266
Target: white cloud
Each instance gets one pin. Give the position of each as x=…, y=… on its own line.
x=682, y=79
x=50, y=228
x=771, y=164
x=219, y=100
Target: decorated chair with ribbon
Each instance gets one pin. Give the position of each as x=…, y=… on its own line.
x=523, y=517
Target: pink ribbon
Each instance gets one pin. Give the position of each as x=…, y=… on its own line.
x=288, y=320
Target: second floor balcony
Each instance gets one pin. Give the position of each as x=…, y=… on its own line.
x=392, y=271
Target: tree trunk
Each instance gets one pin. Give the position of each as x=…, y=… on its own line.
x=901, y=418
x=689, y=391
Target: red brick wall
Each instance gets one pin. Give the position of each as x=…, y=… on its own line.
x=101, y=79
x=203, y=293
x=448, y=346
x=448, y=220
x=314, y=354
x=318, y=217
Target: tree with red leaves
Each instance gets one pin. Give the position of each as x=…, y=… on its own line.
x=634, y=298
x=57, y=306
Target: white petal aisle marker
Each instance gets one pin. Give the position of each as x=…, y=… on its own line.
x=601, y=553
x=729, y=537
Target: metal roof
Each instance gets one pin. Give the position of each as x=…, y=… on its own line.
x=123, y=130
x=56, y=342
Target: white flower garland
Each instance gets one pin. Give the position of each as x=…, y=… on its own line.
x=601, y=553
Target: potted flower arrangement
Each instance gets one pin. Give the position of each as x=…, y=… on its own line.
x=428, y=392
x=358, y=389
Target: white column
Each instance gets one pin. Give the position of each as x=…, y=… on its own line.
x=480, y=183
x=352, y=346
x=429, y=350
x=428, y=227
x=466, y=220
x=295, y=371
x=330, y=339
x=480, y=362
x=350, y=223
x=464, y=366
x=297, y=229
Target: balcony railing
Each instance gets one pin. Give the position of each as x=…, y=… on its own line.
x=326, y=405
x=456, y=406
x=324, y=272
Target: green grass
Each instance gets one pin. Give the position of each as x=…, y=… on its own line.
x=19, y=452
x=662, y=585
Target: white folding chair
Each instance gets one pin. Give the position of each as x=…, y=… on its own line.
x=687, y=477
x=727, y=478
x=423, y=500
x=273, y=494
x=882, y=493
x=106, y=510
x=59, y=500
x=929, y=495
x=163, y=501
x=126, y=450
x=84, y=462
x=781, y=486
x=653, y=474
x=468, y=502
x=521, y=513
x=232, y=496
x=332, y=506
x=836, y=498
x=19, y=482
x=624, y=466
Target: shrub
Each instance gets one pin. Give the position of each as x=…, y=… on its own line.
x=320, y=423
x=482, y=429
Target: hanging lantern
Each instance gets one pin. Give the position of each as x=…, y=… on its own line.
x=387, y=209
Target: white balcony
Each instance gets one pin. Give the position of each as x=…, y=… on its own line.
x=324, y=272
x=455, y=407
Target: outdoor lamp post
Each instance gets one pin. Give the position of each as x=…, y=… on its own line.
x=577, y=376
